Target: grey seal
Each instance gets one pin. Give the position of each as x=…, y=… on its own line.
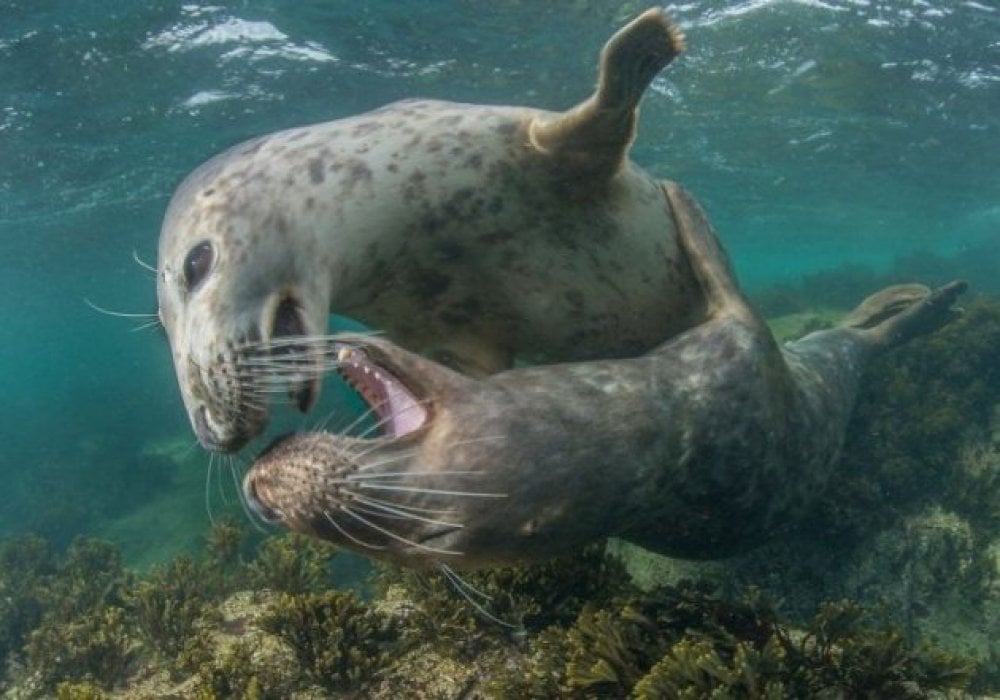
x=702, y=448
x=471, y=234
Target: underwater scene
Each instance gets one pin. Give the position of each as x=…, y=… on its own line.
x=571, y=462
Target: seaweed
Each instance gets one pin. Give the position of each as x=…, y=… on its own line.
x=915, y=414
x=340, y=642
x=23, y=562
x=291, y=563
x=168, y=604
x=524, y=599
x=683, y=642
x=79, y=691
x=236, y=673
x=94, y=646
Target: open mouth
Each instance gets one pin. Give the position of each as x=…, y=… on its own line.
x=395, y=405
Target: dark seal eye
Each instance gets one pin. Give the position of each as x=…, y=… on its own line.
x=197, y=264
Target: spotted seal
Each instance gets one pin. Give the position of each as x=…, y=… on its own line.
x=471, y=234
x=701, y=448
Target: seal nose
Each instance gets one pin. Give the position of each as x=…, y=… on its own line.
x=254, y=502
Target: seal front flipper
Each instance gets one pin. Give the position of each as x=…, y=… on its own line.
x=593, y=138
x=709, y=261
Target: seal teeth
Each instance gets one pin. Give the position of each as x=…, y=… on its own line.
x=397, y=409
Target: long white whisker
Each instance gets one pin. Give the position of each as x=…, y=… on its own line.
x=119, y=314
x=247, y=510
x=221, y=486
x=413, y=509
x=415, y=489
x=395, y=536
x=208, y=488
x=400, y=475
x=463, y=589
x=380, y=505
x=153, y=323
x=352, y=538
x=142, y=263
x=391, y=459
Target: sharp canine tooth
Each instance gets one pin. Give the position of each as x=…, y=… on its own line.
x=344, y=354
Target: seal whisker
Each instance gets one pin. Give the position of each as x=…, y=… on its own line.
x=249, y=512
x=120, y=314
x=151, y=320
x=402, y=512
x=452, y=575
x=220, y=485
x=151, y=323
x=362, y=453
x=399, y=475
x=410, y=452
x=465, y=589
x=352, y=538
x=414, y=509
x=328, y=340
x=208, y=488
x=417, y=489
x=142, y=263
x=396, y=536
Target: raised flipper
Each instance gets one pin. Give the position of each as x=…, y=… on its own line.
x=593, y=138
x=902, y=312
x=709, y=261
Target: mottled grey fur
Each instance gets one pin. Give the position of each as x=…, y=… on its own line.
x=702, y=448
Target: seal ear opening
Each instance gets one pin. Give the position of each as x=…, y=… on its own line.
x=303, y=379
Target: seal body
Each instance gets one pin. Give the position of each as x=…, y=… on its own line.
x=471, y=234
x=701, y=448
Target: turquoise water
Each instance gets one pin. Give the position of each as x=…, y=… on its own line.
x=816, y=134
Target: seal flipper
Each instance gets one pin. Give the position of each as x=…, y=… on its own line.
x=902, y=312
x=592, y=139
x=709, y=261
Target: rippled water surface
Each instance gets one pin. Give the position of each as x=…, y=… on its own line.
x=816, y=134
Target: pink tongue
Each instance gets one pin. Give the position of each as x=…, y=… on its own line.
x=401, y=413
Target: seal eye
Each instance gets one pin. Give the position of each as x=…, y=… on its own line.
x=197, y=264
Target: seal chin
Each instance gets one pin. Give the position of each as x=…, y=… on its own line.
x=211, y=439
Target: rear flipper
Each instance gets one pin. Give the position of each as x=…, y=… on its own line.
x=590, y=142
x=902, y=312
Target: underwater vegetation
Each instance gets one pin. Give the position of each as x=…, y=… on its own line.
x=923, y=430
x=584, y=630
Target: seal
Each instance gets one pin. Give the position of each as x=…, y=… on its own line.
x=474, y=235
x=702, y=448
